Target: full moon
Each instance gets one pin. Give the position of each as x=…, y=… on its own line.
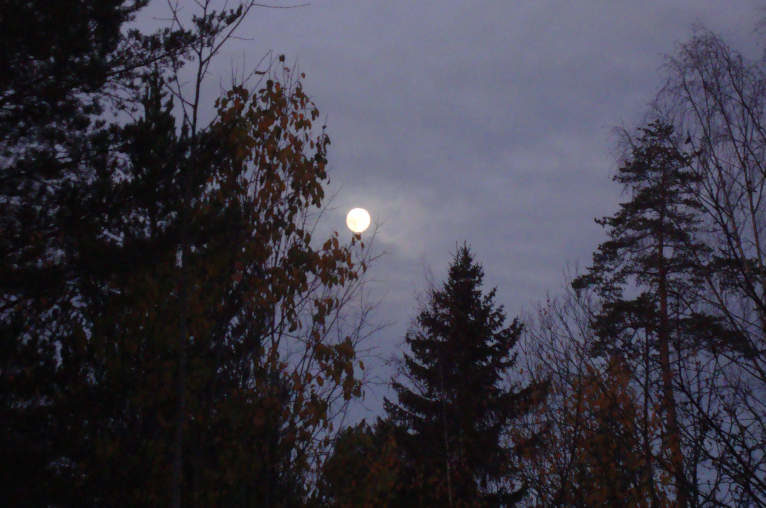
x=358, y=220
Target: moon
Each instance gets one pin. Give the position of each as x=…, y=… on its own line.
x=358, y=220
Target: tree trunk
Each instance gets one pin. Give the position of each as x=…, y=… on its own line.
x=672, y=436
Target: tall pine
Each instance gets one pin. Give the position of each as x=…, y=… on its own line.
x=454, y=413
x=643, y=275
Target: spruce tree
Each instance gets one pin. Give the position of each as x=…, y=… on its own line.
x=453, y=416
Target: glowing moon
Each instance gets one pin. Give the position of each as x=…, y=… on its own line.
x=358, y=220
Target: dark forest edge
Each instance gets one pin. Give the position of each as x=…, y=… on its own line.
x=171, y=332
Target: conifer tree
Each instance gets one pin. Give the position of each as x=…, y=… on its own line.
x=61, y=83
x=454, y=414
x=643, y=273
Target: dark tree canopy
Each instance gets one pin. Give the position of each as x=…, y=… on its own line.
x=363, y=469
x=57, y=164
x=453, y=412
x=643, y=275
x=165, y=315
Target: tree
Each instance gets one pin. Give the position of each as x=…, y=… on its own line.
x=453, y=418
x=167, y=314
x=598, y=436
x=610, y=465
x=59, y=155
x=363, y=468
x=653, y=253
x=717, y=97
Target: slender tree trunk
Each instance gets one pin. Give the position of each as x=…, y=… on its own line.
x=672, y=432
x=648, y=457
x=183, y=336
x=444, y=429
x=180, y=417
x=183, y=297
x=183, y=294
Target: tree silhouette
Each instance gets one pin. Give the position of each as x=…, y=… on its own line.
x=363, y=468
x=718, y=95
x=454, y=415
x=594, y=422
x=166, y=316
x=643, y=274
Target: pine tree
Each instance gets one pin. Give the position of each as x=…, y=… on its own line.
x=453, y=417
x=643, y=273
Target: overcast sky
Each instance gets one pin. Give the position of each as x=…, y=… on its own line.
x=485, y=121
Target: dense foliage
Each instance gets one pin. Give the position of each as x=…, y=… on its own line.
x=453, y=418
x=166, y=316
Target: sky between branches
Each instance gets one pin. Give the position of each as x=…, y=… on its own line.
x=486, y=121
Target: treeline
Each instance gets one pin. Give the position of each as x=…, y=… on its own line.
x=173, y=334
x=644, y=384
x=656, y=357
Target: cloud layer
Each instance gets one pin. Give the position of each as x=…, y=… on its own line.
x=487, y=121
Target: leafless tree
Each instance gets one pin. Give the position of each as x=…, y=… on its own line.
x=717, y=98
